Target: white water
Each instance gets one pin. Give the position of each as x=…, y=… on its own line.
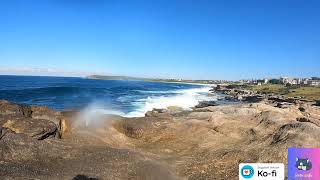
x=185, y=99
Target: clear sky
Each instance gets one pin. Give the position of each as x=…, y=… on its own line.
x=192, y=39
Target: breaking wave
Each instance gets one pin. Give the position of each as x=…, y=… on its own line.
x=123, y=98
x=185, y=99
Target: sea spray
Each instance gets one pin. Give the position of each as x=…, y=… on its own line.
x=185, y=99
x=94, y=113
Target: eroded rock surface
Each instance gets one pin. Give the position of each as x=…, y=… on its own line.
x=206, y=143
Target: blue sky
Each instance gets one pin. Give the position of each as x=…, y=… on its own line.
x=189, y=39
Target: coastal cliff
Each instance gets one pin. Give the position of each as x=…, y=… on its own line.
x=206, y=143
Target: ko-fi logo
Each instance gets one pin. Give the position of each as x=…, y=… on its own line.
x=247, y=171
x=261, y=171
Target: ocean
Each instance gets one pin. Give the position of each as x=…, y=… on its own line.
x=124, y=98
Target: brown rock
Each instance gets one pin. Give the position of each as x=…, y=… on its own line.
x=7, y=108
x=208, y=143
x=43, y=112
x=36, y=128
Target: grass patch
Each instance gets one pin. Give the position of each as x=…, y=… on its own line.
x=270, y=89
x=309, y=93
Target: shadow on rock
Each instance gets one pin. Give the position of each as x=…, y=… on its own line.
x=83, y=177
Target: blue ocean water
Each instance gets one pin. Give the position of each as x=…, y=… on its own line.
x=125, y=98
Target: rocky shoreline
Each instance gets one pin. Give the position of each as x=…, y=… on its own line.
x=206, y=143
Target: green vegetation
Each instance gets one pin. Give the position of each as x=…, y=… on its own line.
x=270, y=89
x=309, y=93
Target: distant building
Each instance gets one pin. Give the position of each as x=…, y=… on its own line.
x=293, y=81
x=285, y=80
x=314, y=82
x=299, y=81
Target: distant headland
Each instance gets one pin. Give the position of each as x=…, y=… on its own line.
x=129, y=78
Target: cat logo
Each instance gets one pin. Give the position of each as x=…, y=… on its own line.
x=303, y=164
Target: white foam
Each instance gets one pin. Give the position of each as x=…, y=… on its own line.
x=185, y=99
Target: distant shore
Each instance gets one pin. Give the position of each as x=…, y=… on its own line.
x=128, y=78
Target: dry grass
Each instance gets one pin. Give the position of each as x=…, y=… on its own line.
x=309, y=93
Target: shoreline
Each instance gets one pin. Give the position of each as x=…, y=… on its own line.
x=159, y=135
x=72, y=143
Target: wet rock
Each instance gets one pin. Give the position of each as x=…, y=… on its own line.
x=253, y=98
x=228, y=97
x=203, y=104
x=174, y=110
x=284, y=105
x=152, y=113
x=171, y=110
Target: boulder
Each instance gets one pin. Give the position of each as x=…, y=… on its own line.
x=8, y=108
x=4, y=131
x=174, y=109
x=229, y=97
x=171, y=110
x=203, y=104
x=276, y=99
x=284, y=105
x=37, y=128
x=34, y=121
x=253, y=98
x=43, y=112
x=152, y=113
